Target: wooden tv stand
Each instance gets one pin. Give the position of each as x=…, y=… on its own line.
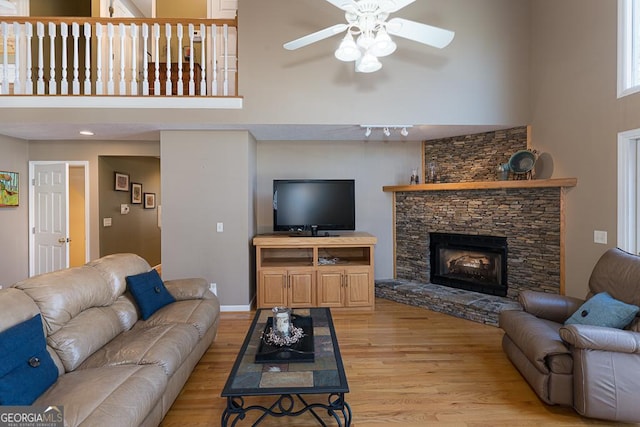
x=324, y=271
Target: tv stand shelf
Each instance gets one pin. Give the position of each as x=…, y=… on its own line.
x=323, y=271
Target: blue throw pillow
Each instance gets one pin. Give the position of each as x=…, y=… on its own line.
x=26, y=367
x=149, y=292
x=604, y=310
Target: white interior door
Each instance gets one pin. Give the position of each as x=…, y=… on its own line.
x=50, y=221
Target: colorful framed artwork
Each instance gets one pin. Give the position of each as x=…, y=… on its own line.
x=149, y=200
x=9, y=189
x=122, y=182
x=136, y=193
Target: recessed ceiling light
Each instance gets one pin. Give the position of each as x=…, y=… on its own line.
x=86, y=133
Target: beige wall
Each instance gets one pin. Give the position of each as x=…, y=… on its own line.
x=209, y=177
x=181, y=9
x=14, y=262
x=372, y=165
x=77, y=216
x=576, y=118
x=137, y=231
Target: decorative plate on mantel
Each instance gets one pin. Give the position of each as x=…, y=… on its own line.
x=522, y=161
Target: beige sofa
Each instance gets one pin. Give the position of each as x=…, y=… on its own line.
x=113, y=367
x=594, y=369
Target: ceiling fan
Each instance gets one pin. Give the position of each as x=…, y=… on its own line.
x=367, y=19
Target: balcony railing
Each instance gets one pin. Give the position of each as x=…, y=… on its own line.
x=121, y=57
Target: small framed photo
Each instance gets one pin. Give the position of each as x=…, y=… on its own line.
x=149, y=200
x=122, y=182
x=136, y=193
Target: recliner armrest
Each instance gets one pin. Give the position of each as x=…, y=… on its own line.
x=557, y=308
x=601, y=338
x=185, y=289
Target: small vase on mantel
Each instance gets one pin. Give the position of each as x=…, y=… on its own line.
x=432, y=171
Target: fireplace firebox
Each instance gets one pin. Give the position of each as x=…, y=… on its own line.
x=470, y=262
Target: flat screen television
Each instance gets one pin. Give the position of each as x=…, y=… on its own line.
x=301, y=205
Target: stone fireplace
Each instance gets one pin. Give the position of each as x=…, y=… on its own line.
x=526, y=215
x=471, y=262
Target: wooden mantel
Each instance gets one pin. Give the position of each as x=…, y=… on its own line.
x=484, y=185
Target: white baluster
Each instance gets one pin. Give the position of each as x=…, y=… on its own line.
x=53, y=87
x=225, y=83
x=122, y=90
x=214, y=43
x=203, y=60
x=64, y=82
x=28, y=89
x=134, y=62
x=4, y=87
x=87, y=59
x=17, y=81
x=156, y=36
x=99, y=83
x=167, y=84
x=145, y=61
x=40, y=33
x=192, y=85
x=110, y=84
x=75, y=84
x=180, y=87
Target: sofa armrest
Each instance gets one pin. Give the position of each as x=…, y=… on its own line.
x=557, y=308
x=185, y=289
x=601, y=338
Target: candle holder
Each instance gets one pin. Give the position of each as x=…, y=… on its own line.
x=282, y=331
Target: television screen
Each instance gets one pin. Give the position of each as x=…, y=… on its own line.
x=314, y=204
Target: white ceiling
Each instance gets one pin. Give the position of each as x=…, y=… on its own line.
x=262, y=132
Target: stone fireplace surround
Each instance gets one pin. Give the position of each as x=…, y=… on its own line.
x=530, y=218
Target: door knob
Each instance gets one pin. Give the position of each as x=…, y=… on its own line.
x=62, y=240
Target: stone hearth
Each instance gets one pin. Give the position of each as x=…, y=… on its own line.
x=481, y=308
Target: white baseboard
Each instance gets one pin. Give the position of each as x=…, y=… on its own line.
x=235, y=308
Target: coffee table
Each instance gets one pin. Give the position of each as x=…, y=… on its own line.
x=295, y=386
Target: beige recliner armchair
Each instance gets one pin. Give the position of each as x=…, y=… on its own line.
x=594, y=369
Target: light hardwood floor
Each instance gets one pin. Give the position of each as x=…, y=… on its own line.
x=405, y=365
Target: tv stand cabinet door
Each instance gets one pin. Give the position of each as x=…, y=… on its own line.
x=272, y=289
x=359, y=289
x=331, y=288
x=301, y=288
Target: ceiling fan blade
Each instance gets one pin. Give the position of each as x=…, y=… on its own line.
x=422, y=33
x=391, y=6
x=315, y=37
x=344, y=4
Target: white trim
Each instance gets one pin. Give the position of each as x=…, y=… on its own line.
x=627, y=190
x=168, y=102
x=235, y=308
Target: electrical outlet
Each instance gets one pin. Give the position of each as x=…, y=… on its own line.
x=213, y=287
x=219, y=227
x=600, y=237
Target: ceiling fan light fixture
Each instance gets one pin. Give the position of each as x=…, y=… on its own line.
x=368, y=64
x=382, y=45
x=348, y=50
x=365, y=40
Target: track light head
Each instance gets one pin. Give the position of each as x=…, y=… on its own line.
x=367, y=133
x=404, y=132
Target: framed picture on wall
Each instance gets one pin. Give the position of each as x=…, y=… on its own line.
x=122, y=182
x=149, y=200
x=136, y=193
x=9, y=186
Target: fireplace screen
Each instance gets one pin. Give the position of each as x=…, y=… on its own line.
x=475, y=263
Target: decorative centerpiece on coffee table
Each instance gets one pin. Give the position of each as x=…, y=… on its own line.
x=286, y=338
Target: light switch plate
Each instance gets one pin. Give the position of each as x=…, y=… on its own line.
x=600, y=237
x=106, y=222
x=219, y=227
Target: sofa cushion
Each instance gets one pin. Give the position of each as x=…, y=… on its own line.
x=201, y=314
x=603, y=310
x=26, y=368
x=167, y=346
x=149, y=292
x=62, y=295
x=108, y=396
x=115, y=268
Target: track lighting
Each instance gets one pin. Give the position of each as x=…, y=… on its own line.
x=386, y=129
